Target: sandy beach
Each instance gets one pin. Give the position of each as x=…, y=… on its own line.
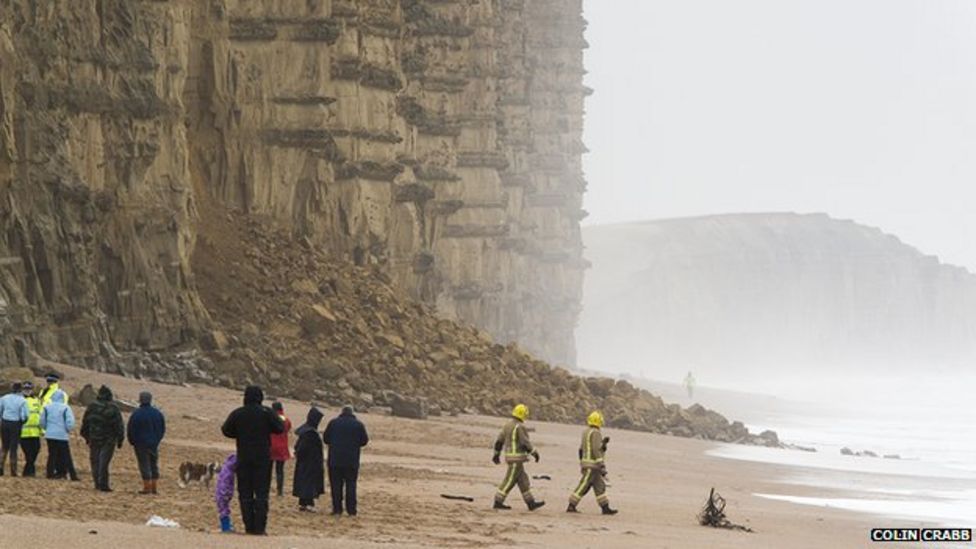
x=659, y=484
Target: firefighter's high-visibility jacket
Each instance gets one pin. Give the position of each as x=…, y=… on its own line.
x=514, y=440
x=592, y=449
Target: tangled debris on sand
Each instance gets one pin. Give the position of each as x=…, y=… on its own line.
x=713, y=514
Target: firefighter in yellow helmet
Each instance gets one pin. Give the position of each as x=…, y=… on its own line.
x=514, y=440
x=591, y=452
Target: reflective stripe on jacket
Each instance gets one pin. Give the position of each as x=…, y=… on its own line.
x=515, y=442
x=591, y=449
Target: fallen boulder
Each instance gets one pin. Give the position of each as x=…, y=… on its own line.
x=408, y=407
x=84, y=396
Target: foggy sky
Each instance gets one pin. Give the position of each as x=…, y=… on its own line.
x=863, y=109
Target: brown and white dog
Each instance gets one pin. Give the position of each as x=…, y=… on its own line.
x=197, y=472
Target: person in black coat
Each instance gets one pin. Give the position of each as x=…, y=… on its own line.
x=309, y=463
x=345, y=436
x=251, y=425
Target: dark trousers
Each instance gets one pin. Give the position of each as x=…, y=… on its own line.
x=9, y=441
x=148, y=459
x=59, y=462
x=100, y=455
x=253, y=485
x=342, y=481
x=280, y=476
x=32, y=447
x=306, y=502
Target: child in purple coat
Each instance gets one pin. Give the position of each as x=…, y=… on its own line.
x=225, y=492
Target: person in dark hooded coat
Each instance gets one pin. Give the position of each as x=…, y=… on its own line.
x=251, y=426
x=104, y=431
x=309, y=481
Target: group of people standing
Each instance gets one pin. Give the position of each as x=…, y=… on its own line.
x=27, y=417
x=261, y=436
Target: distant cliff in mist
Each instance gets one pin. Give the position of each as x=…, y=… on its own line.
x=732, y=295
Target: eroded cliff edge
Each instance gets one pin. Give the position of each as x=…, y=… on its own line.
x=439, y=140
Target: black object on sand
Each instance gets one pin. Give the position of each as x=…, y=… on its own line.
x=459, y=498
x=713, y=514
x=541, y=477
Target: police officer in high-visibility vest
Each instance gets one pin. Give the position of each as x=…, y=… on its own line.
x=52, y=387
x=514, y=440
x=591, y=452
x=31, y=432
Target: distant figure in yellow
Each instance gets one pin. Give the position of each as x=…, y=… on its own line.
x=514, y=440
x=592, y=466
x=690, y=384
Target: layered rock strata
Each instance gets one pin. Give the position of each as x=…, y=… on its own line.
x=438, y=139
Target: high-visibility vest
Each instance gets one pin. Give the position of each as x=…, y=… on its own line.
x=48, y=393
x=32, y=427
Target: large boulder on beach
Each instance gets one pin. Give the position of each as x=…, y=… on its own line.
x=408, y=407
x=84, y=396
x=769, y=438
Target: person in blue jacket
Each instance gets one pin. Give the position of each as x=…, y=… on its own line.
x=57, y=421
x=145, y=431
x=13, y=414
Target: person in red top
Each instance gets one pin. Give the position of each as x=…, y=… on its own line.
x=279, y=448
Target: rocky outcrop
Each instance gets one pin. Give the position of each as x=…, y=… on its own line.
x=740, y=295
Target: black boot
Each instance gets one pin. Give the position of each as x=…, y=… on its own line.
x=571, y=508
x=500, y=505
x=607, y=510
x=533, y=505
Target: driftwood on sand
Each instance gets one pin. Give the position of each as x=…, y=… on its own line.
x=459, y=498
x=713, y=514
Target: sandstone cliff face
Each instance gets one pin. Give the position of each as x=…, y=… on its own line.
x=438, y=140
x=739, y=295
x=95, y=204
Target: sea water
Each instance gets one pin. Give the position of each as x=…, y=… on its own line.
x=928, y=422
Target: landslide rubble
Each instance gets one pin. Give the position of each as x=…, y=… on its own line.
x=288, y=315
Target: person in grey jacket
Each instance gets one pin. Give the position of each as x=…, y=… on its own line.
x=57, y=421
x=13, y=414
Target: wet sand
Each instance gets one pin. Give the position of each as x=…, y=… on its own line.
x=659, y=484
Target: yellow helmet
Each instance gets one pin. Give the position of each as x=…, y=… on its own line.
x=520, y=411
x=595, y=419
